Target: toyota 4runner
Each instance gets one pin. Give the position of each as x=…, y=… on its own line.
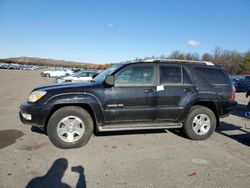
x=153, y=94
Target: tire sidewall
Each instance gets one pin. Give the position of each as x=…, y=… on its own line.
x=62, y=113
x=194, y=111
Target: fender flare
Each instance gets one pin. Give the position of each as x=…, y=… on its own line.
x=78, y=98
x=197, y=100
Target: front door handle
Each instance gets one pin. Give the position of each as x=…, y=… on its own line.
x=148, y=90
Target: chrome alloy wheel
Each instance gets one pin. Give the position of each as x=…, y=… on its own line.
x=201, y=124
x=70, y=129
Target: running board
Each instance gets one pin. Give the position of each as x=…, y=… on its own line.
x=128, y=127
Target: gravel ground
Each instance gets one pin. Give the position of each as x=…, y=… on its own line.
x=131, y=159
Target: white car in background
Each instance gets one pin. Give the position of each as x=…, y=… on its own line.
x=82, y=76
x=57, y=72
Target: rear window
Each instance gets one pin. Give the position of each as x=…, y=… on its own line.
x=213, y=76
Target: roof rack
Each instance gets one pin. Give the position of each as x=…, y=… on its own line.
x=177, y=60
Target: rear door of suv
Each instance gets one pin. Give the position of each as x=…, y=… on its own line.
x=174, y=89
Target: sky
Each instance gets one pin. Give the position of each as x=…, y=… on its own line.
x=107, y=31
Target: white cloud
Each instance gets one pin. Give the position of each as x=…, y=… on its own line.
x=193, y=43
x=110, y=24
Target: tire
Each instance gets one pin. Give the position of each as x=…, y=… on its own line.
x=47, y=75
x=62, y=130
x=200, y=123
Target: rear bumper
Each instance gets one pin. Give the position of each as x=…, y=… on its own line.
x=35, y=115
x=226, y=107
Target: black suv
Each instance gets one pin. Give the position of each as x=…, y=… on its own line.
x=153, y=94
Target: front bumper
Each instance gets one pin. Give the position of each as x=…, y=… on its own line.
x=33, y=114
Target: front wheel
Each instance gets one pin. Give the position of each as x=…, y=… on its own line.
x=200, y=123
x=70, y=127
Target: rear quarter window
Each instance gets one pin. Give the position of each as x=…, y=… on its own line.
x=212, y=75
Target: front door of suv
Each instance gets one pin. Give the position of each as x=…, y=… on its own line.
x=134, y=94
x=173, y=91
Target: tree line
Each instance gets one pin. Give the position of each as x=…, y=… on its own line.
x=235, y=62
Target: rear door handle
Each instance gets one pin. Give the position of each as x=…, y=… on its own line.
x=148, y=90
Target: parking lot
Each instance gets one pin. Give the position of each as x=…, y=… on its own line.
x=159, y=158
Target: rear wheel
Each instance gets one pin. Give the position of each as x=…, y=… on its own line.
x=70, y=127
x=200, y=123
x=47, y=75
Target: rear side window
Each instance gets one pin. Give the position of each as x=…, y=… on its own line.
x=170, y=75
x=83, y=74
x=174, y=75
x=213, y=76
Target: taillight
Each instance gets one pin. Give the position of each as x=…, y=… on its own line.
x=233, y=97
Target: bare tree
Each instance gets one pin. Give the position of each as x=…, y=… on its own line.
x=207, y=57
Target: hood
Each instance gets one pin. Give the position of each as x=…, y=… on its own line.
x=71, y=85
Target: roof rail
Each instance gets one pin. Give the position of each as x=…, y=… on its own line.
x=177, y=60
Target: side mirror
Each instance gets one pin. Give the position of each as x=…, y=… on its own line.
x=110, y=80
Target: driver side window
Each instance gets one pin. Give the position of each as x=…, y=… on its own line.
x=135, y=75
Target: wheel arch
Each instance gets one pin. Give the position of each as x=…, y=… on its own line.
x=84, y=106
x=209, y=104
x=212, y=106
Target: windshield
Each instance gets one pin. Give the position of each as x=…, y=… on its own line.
x=109, y=71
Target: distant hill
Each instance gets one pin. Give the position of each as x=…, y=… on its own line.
x=53, y=62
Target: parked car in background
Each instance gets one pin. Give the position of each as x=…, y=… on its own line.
x=240, y=82
x=15, y=66
x=240, y=85
x=82, y=76
x=247, y=81
x=57, y=72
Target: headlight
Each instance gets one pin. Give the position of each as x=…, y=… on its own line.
x=36, y=95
